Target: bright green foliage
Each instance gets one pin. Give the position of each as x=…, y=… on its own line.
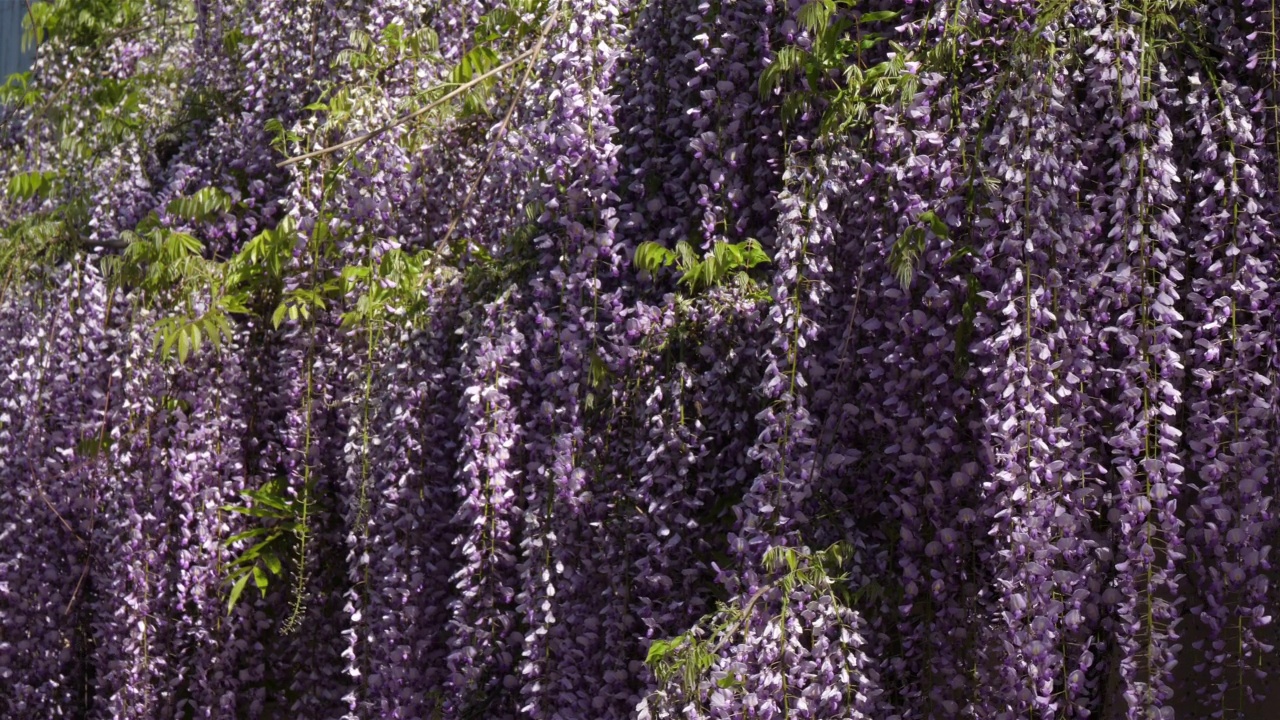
x=832, y=75
x=364, y=53
x=365, y=58
x=81, y=22
x=200, y=298
x=31, y=185
x=112, y=106
x=162, y=263
x=188, y=334
x=393, y=287
x=282, y=137
x=19, y=91
x=686, y=659
x=299, y=303
x=905, y=253
x=502, y=27
x=263, y=259
x=169, y=269
x=823, y=569
x=204, y=205
x=37, y=240
x=158, y=259
x=724, y=261
x=117, y=103
x=281, y=517
x=478, y=61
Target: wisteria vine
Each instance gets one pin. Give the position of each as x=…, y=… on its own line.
x=666, y=359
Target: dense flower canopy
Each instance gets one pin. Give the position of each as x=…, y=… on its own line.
x=578, y=359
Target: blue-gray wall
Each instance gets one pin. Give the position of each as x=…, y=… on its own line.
x=12, y=58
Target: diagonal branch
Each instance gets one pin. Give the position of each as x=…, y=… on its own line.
x=502, y=130
x=361, y=139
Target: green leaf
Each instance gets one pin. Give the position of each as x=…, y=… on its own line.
x=686, y=257
x=273, y=563
x=959, y=253
x=256, y=512
x=260, y=579
x=599, y=373
x=791, y=58
x=255, y=532
x=729, y=681
x=251, y=555
x=25, y=186
x=815, y=14
x=267, y=497
x=878, y=16
x=94, y=446
x=692, y=276
x=277, y=317
x=652, y=257
x=936, y=224
x=770, y=79
x=204, y=204
x=197, y=337
x=902, y=257
x=658, y=651
x=753, y=254
x=170, y=336
x=236, y=589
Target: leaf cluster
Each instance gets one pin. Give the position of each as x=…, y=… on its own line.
x=392, y=287
x=78, y=22
x=697, y=273
x=20, y=90
x=835, y=74
x=87, y=29
x=32, y=185
x=905, y=253
x=393, y=46
x=368, y=60
x=283, y=521
x=201, y=206
x=686, y=659
x=170, y=269
x=496, y=32
x=38, y=241
x=160, y=263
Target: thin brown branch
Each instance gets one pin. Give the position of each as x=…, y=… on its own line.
x=744, y=618
x=75, y=593
x=366, y=137
x=57, y=514
x=502, y=130
x=105, y=244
